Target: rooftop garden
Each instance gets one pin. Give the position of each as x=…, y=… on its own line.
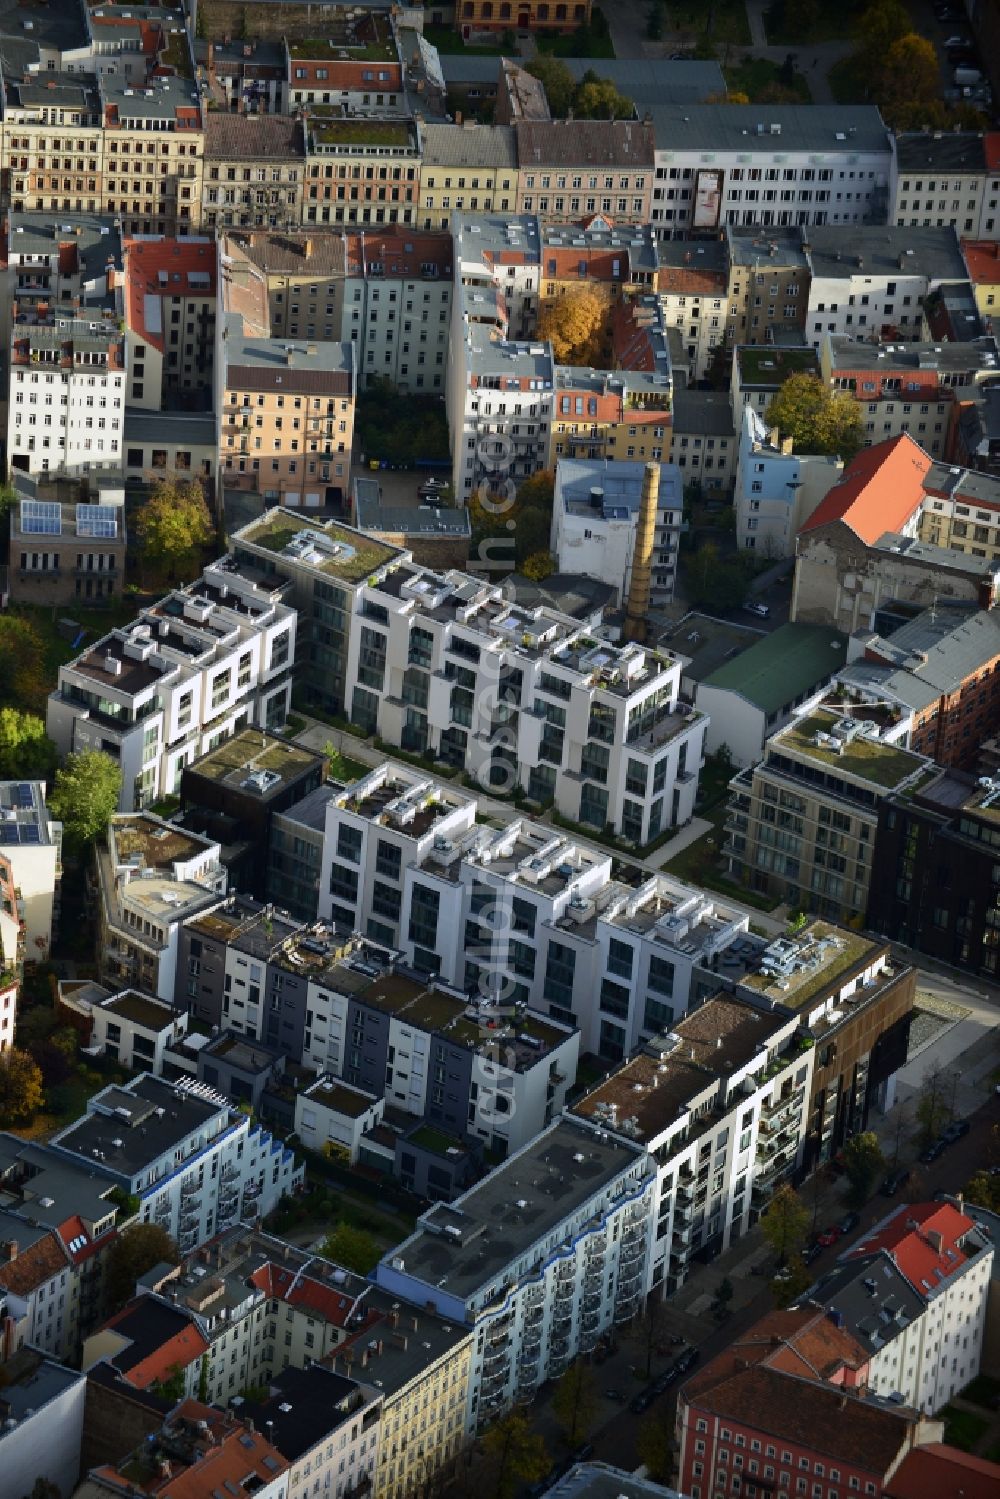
x=867, y=759
x=276, y=531
x=176, y=54
x=337, y=132
x=378, y=48
x=429, y=1138
x=772, y=364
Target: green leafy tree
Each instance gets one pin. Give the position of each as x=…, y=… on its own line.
x=816, y=418
x=85, y=795
x=21, y=1086
x=934, y=1103
x=983, y=1190
x=863, y=1163
x=516, y=1455
x=910, y=82
x=538, y=491
x=574, y=1402
x=25, y=748
x=785, y=1223
x=649, y=1327
x=598, y=99
x=44, y=1489
x=539, y=566
x=136, y=1250
x=655, y=1449
x=351, y=1247
x=22, y=663
x=720, y=1302
x=882, y=25
x=8, y=499
x=557, y=81
x=173, y=527
x=788, y=1285
x=172, y=1387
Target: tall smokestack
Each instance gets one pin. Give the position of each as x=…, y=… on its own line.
x=637, y=608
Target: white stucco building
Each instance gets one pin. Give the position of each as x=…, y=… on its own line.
x=541, y=1258
x=875, y=286
x=31, y=842
x=189, y=671
x=595, y=514
x=197, y=1164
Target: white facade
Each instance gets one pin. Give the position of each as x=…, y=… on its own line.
x=330, y=1112
x=529, y=916
x=441, y=663
x=943, y=179
x=41, y=1295
x=400, y=325
x=722, y=1120
x=31, y=842
x=573, y=1267
x=777, y=490
x=67, y=394
x=595, y=512
x=44, y=1433
x=877, y=282
x=187, y=673
x=768, y=164
x=136, y=1030
x=196, y=1164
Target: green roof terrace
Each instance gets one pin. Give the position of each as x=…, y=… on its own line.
x=330, y=130
x=772, y=364
x=797, y=970
x=334, y=549
x=855, y=754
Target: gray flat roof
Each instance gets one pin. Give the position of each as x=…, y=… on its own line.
x=145, y=1136
x=620, y=483
x=601, y=1481
x=310, y=812
x=946, y=558
x=829, y=129
x=574, y=594
x=195, y=427
x=401, y=1352
x=31, y=1381
x=707, y=643
x=963, y=483
x=971, y=355
x=410, y=520
x=885, y=250
x=554, y=1176
x=705, y=412
x=941, y=151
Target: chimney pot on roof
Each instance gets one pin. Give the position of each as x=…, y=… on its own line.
x=11, y=1248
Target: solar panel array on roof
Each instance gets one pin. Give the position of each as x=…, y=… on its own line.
x=97, y=520
x=41, y=518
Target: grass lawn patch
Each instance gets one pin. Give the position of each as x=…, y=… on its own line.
x=293, y=724
x=343, y=768
x=700, y=864
x=963, y=1428
x=587, y=41
x=828, y=26
x=729, y=20
x=984, y=1390
x=755, y=76
x=447, y=40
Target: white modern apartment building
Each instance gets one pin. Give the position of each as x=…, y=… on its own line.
x=875, y=286
x=197, y=1164
x=372, y=1021
x=768, y=164
x=720, y=1104
x=541, y=1258
x=442, y=663
x=151, y=878
x=595, y=513
x=777, y=489
x=524, y=916
x=914, y=1291
x=189, y=671
x=31, y=842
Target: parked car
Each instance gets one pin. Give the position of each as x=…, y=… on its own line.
x=686, y=1361
x=828, y=1236
x=753, y=607
x=642, y=1401
x=849, y=1222
x=955, y=1131
x=664, y=1381
x=958, y=40
x=936, y=1148
x=615, y=1395
x=893, y=1182
x=812, y=1251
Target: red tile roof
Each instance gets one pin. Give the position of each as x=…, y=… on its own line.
x=991, y=145
x=924, y=1241
x=74, y=1229
x=158, y=1355
x=177, y=258
x=33, y=1267
x=880, y=490
x=328, y=1302
x=800, y=1341
x=934, y=1471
